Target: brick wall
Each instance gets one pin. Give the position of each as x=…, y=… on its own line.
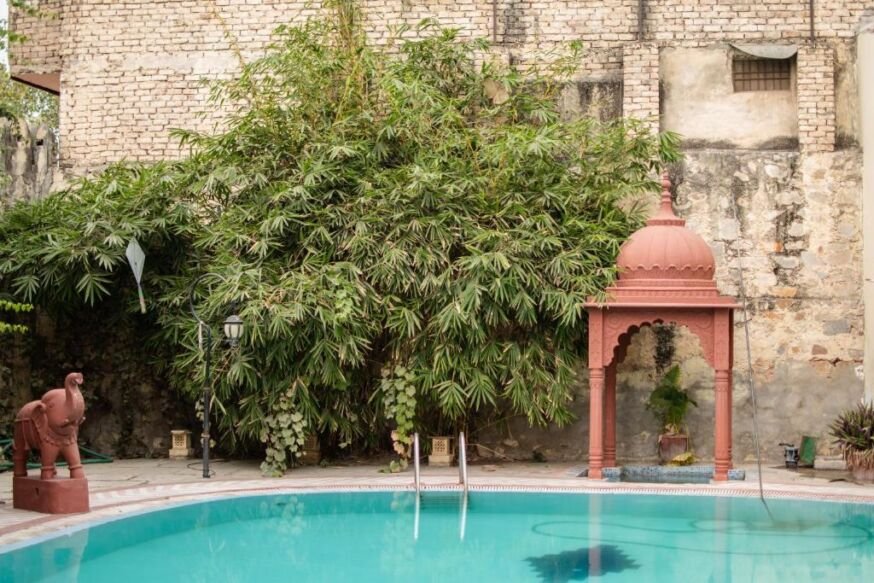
x=40, y=52
x=132, y=69
x=816, y=99
x=640, y=97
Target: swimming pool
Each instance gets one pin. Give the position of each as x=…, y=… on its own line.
x=382, y=536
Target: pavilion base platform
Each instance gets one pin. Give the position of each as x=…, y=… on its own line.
x=664, y=474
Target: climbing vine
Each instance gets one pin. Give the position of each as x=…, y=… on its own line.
x=399, y=401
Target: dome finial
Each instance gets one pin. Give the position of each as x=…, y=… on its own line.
x=666, y=205
x=665, y=213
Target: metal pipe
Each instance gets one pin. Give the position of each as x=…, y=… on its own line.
x=207, y=380
x=641, y=21
x=417, y=471
x=812, y=27
x=494, y=21
x=463, y=527
x=462, y=460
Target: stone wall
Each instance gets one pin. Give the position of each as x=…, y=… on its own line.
x=798, y=238
x=129, y=408
x=29, y=157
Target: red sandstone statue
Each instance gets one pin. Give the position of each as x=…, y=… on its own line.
x=51, y=425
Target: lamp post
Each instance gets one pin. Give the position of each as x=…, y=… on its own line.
x=233, y=329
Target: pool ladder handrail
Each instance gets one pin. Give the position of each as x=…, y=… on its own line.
x=462, y=461
x=417, y=469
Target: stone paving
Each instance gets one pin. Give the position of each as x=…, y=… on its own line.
x=130, y=486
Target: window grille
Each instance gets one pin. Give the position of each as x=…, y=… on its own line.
x=762, y=74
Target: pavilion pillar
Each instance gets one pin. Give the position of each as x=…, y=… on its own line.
x=596, y=422
x=610, y=417
x=723, y=424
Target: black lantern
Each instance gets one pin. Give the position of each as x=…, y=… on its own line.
x=233, y=329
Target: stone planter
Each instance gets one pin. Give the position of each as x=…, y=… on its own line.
x=670, y=446
x=441, y=451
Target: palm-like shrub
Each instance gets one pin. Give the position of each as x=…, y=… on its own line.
x=853, y=431
x=669, y=402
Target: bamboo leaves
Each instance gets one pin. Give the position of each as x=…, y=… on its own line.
x=408, y=251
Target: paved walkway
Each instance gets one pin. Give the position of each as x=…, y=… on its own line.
x=128, y=486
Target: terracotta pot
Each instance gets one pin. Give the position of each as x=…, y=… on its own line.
x=670, y=446
x=863, y=473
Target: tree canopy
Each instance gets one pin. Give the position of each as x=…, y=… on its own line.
x=409, y=232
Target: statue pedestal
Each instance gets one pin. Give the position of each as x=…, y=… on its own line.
x=58, y=496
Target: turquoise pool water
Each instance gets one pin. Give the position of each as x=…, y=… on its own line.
x=502, y=537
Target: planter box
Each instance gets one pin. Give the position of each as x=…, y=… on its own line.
x=670, y=446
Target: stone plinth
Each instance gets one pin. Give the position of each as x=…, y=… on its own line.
x=58, y=496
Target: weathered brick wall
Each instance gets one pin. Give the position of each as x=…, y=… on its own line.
x=816, y=99
x=132, y=69
x=640, y=69
x=40, y=52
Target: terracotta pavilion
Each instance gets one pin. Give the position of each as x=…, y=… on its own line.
x=666, y=275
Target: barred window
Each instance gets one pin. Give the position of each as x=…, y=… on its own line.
x=762, y=74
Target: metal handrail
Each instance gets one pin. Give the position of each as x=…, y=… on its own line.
x=462, y=460
x=417, y=470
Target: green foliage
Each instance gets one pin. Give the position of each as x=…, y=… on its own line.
x=398, y=392
x=18, y=101
x=410, y=233
x=7, y=306
x=669, y=402
x=853, y=431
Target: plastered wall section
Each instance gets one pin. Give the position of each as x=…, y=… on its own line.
x=133, y=69
x=700, y=103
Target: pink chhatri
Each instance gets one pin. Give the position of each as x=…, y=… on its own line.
x=666, y=275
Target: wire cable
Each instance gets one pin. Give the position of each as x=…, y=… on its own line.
x=752, y=384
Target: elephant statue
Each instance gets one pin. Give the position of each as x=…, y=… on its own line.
x=51, y=425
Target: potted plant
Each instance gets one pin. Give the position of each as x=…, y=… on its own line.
x=854, y=434
x=669, y=403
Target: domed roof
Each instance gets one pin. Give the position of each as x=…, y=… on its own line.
x=665, y=250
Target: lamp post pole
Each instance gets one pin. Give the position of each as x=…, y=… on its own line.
x=233, y=329
x=207, y=383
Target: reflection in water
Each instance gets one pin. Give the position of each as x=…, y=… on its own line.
x=582, y=563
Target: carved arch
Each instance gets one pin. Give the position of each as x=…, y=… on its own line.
x=621, y=325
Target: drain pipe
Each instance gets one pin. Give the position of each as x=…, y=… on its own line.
x=812, y=26
x=865, y=64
